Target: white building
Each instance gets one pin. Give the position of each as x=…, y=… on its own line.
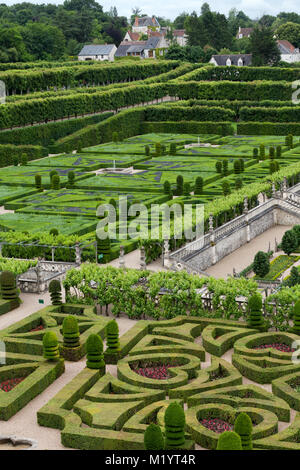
x=180, y=37
x=98, y=52
x=141, y=25
x=288, y=52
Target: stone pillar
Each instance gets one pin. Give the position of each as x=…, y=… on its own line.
x=284, y=188
x=212, y=238
x=53, y=253
x=166, y=254
x=275, y=246
x=142, y=258
x=38, y=276
x=121, y=258
x=273, y=190
x=77, y=254
x=246, y=205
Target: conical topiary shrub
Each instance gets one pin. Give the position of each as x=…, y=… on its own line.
x=243, y=427
x=174, y=426
x=229, y=440
x=112, y=337
x=55, y=292
x=153, y=438
x=8, y=288
x=70, y=332
x=50, y=346
x=256, y=319
x=296, y=318
x=94, y=349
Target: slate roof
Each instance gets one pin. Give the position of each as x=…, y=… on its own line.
x=136, y=48
x=152, y=42
x=245, y=31
x=221, y=59
x=96, y=49
x=147, y=21
x=125, y=45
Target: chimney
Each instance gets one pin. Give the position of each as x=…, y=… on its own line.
x=136, y=21
x=153, y=20
x=240, y=29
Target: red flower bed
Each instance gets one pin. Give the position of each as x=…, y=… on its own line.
x=156, y=372
x=38, y=328
x=216, y=425
x=279, y=346
x=9, y=384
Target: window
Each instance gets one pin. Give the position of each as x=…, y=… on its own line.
x=228, y=61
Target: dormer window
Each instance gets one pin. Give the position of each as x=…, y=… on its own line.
x=240, y=62
x=228, y=62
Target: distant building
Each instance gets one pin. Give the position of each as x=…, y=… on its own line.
x=180, y=37
x=238, y=60
x=98, y=52
x=130, y=36
x=288, y=52
x=244, y=33
x=141, y=25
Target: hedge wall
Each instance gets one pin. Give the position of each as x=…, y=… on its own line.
x=268, y=128
x=189, y=127
x=9, y=151
x=259, y=114
x=195, y=113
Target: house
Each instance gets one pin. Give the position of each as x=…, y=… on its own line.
x=98, y=52
x=244, y=33
x=126, y=45
x=130, y=36
x=180, y=37
x=231, y=59
x=141, y=25
x=288, y=52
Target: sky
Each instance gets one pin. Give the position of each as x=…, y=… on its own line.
x=170, y=8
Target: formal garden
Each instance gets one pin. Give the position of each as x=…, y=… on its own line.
x=149, y=359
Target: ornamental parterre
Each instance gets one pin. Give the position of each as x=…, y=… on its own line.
x=279, y=346
x=158, y=372
x=8, y=385
x=216, y=425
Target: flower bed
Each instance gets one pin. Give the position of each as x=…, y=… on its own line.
x=279, y=346
x=159, y=372
x=38, y=328
x=9, y=384
x=216, y=425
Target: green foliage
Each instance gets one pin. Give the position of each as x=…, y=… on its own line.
x=71, y=178
x=174, y=426
x=198, y=185
x=243, y=427
x=112, y=337
x=50, y=346
x=38, y=181
x=55, y=292
x=219, y=166
x=70, y=331
x=158, y=150
x=147, y=150
x=55, y=182
x=24, y=159
x=237, y=166
x=153, y=438
x=229, y=440
x=167, y=187
x=238, y=183
x=296, y=318
x=255, y=311
x=262, y=151
x=179, y=185
x=94, y=349
x=226, y=188
x=264, y=47
x=289, y=242
x=8, y=287
x=261, y=264
x=186, y=189
x=173, y=149
x=294, y=277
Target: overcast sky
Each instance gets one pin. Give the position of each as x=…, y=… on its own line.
x=170, y=8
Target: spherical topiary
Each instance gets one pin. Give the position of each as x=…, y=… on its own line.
x=296, y=318
x=153, y=438
x=70, y=332
x=243, y=427
x=50, y=346
x=174, y=425
x=8, y=287
x=112, y=337
x=94, y=349
x=55, y=292
x=256, y=319
x=229, y=440
x=54, y=232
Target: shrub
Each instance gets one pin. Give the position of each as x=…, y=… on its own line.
x=219, y=166
x=50, y=346
x=278, y=151
x=147, y=150
x=8, y=287
x=16, y=161
x=52, y=173
x=261, y=264
x=243, y=427
x=24, y=159
x=55, y=292
x=38, y=181
x=225, y=167
x=296, y=318
x=226, y=188
x=71, y=178
x=70, y=332
x=163, y=149
x=186, y=189
x=255, y=152
x=104, y=248
x=167, y=187
x=294, y=278
x=112, y=337
x=255, y=311
x=153, y=438
x=173, y=149
x=289, y=242
x=272, y=167
x=262, y=151
x=198, y=185
x=179, y=185
x=115, y=137
x=271, y=152
x=174, y=425
x=238, y=183
x=54, y=232
x=242, y=164
x=229, y=440
x=158, y=149
x=94, y=349
x=237, y=167
x=55, y=182
x=296, y=230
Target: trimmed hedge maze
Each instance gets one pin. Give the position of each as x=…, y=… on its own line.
x=187, y=360
x=26, y=373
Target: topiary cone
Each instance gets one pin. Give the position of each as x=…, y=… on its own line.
x=256, y=319
x=94, y=349
x=55, y=292
x=174, y=426
x=70, y=332
x=229, y=440
x=8, y=286
x=296, y=318
x=243, y=427
x=50, y=346
x=112, y=337
x=153, y=438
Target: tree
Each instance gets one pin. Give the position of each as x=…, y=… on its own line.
x=289, y=242
x=238, y=183
x=198, y=185
x=229, y=440
x=208, y=28
x=264, y=48
x=176, y=52
x=38, y=181
x=167, y=187
x=256, y=319
x=179, y=185
x=71, y=178
x=179, y=20
x=226, y=188
x=289, y=31
x=186, y=189
x=153, y=438
x=243, y=427
x=294, y=278
x=55, y=182
x=261, y=264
